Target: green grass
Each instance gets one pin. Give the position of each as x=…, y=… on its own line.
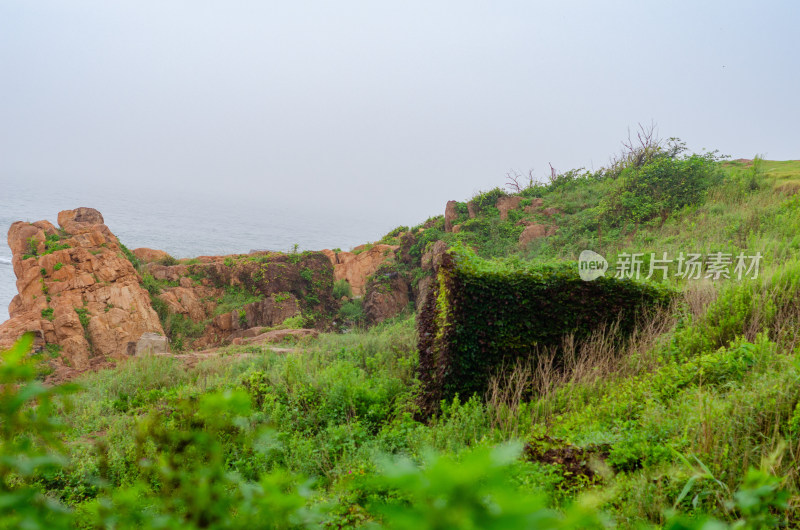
x=696, y=416
x=234, y=299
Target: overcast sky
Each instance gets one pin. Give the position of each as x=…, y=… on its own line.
x=391, y=108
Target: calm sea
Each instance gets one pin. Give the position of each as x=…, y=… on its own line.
x=190, y=223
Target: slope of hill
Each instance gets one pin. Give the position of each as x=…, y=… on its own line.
x=695, y=416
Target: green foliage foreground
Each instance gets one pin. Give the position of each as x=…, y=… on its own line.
x=326, y=438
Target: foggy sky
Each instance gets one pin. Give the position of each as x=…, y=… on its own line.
x=387, y=108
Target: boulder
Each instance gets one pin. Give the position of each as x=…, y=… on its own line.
x=151, y=343
x=279, y=335
x=148, y=255
x=450, y=215
x=550, y=212
x=172, y=273
x=535, y=231
x=504, y=204
x=79, y=219
x=472, y=208
x=387, y=295
x=432, y=258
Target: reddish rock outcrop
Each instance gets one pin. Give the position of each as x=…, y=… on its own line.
x=450, y=215
x=148, y=255
x=535, y=205
x=356, y=268
x=504, y=204
x=550, y=212
x=271, y=311
x=535, y=231
x=76, y=290
x=288, y=284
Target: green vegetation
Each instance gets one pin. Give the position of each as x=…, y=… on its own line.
x=234, y=299
x=168, y=261
x=131, y=257
x=341, y=289
x=484, y=315
x=52, y=243
x=352, y=312
x=683, y=416
x=48, y=314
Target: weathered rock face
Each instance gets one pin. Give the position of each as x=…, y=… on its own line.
x=387, y=295
x=356, y=268
x=151, y=343
x=79, y=219
x=76, y=290
x=450, y=215
x=270, y=311
x=431, y=260
x=433, y=257
x=288, y=284
x=504, y=204
x=535, y=231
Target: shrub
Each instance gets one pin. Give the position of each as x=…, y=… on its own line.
x=487, y=199
x=352, y=312
x=29, y=442
x=341, y=288
x=168, y=261
x=234, y=299
x=482, y=315
x=660, y=188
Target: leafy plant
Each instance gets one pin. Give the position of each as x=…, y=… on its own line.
x=30, y=442
x=341, y=288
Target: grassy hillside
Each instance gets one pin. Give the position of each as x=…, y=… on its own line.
x=694, y=417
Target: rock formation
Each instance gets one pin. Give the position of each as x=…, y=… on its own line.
x=357, y=266
x=450, y=215
x=535, y=205
x=77, y=290
x=86, y=303
x=504, y=204
x=535, y=231
x=388, y=293
x=284, y=285
x=148, y=255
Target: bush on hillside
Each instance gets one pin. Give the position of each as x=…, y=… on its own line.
x=659, y=188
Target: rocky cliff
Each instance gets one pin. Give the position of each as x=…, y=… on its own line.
x=88, y=300
x=78, y=293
